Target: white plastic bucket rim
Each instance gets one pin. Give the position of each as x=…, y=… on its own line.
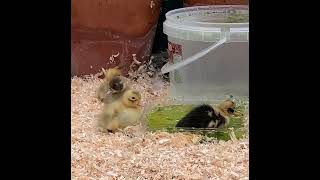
x=178, y=26
x=170, y=17
x=221, y=32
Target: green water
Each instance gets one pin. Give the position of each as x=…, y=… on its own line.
x=165, y=118
x=237, y=18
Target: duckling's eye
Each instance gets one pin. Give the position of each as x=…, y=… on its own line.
x=133, y=98
x=231, y=110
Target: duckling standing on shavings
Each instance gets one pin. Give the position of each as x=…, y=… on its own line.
x=105, y=86
x=124, y=111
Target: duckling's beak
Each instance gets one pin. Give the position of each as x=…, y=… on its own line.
x=234, y=112
x=139, y=104
x=237, y=113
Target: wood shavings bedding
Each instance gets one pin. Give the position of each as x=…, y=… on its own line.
x=136, y=154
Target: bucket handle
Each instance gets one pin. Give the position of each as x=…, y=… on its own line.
x=170, y=67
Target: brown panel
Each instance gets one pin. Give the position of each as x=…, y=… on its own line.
x=101, y=28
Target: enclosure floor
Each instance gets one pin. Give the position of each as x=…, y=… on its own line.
x=136, y=154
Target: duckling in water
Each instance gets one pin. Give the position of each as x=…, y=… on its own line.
x=206, y=116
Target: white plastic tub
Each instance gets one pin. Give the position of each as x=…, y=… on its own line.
x=209, y=58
